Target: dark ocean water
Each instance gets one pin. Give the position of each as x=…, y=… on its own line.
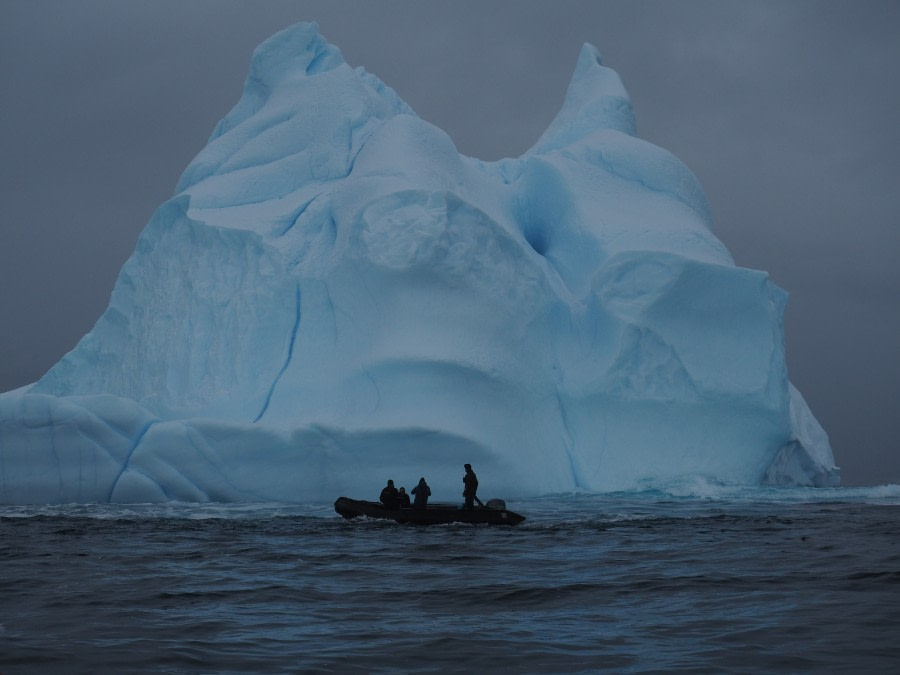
x=796, y=581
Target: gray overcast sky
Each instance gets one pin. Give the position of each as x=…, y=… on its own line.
x=787, y=112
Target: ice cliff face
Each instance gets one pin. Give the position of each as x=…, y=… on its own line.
x=335, y=296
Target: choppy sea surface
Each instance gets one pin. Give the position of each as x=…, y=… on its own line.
x=711, y=580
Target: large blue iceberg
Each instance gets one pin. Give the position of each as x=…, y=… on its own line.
x=335, y=296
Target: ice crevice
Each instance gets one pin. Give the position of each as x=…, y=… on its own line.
x=127, y=459
x=376, y=404
x=568, y=441
x=295, y=217
x=287, y=359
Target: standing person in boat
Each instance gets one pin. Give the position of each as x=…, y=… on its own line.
x=389, y=496
x=404, y=498
x=470, y=481
x=422, y=493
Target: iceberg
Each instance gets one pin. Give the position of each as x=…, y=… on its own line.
x=335, y=296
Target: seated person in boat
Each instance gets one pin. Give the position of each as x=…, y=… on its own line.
x=422, y=493
x=404, y=498
x=390, y=497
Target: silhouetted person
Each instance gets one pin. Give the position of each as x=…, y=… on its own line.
x=470, y=481
x=422, y=493
x=389, y=496
x=404, y=498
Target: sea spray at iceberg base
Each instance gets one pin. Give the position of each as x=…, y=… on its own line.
x=335, y=296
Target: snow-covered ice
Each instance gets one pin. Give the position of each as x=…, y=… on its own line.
x=335, y=296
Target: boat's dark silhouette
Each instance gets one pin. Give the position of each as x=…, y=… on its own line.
x=492, y=513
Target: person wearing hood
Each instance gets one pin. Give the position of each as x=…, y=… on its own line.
x=422, y=493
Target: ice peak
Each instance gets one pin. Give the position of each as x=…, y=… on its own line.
x=298, y=50
x=588, y=59
x=302, y=117
x=596, y=99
